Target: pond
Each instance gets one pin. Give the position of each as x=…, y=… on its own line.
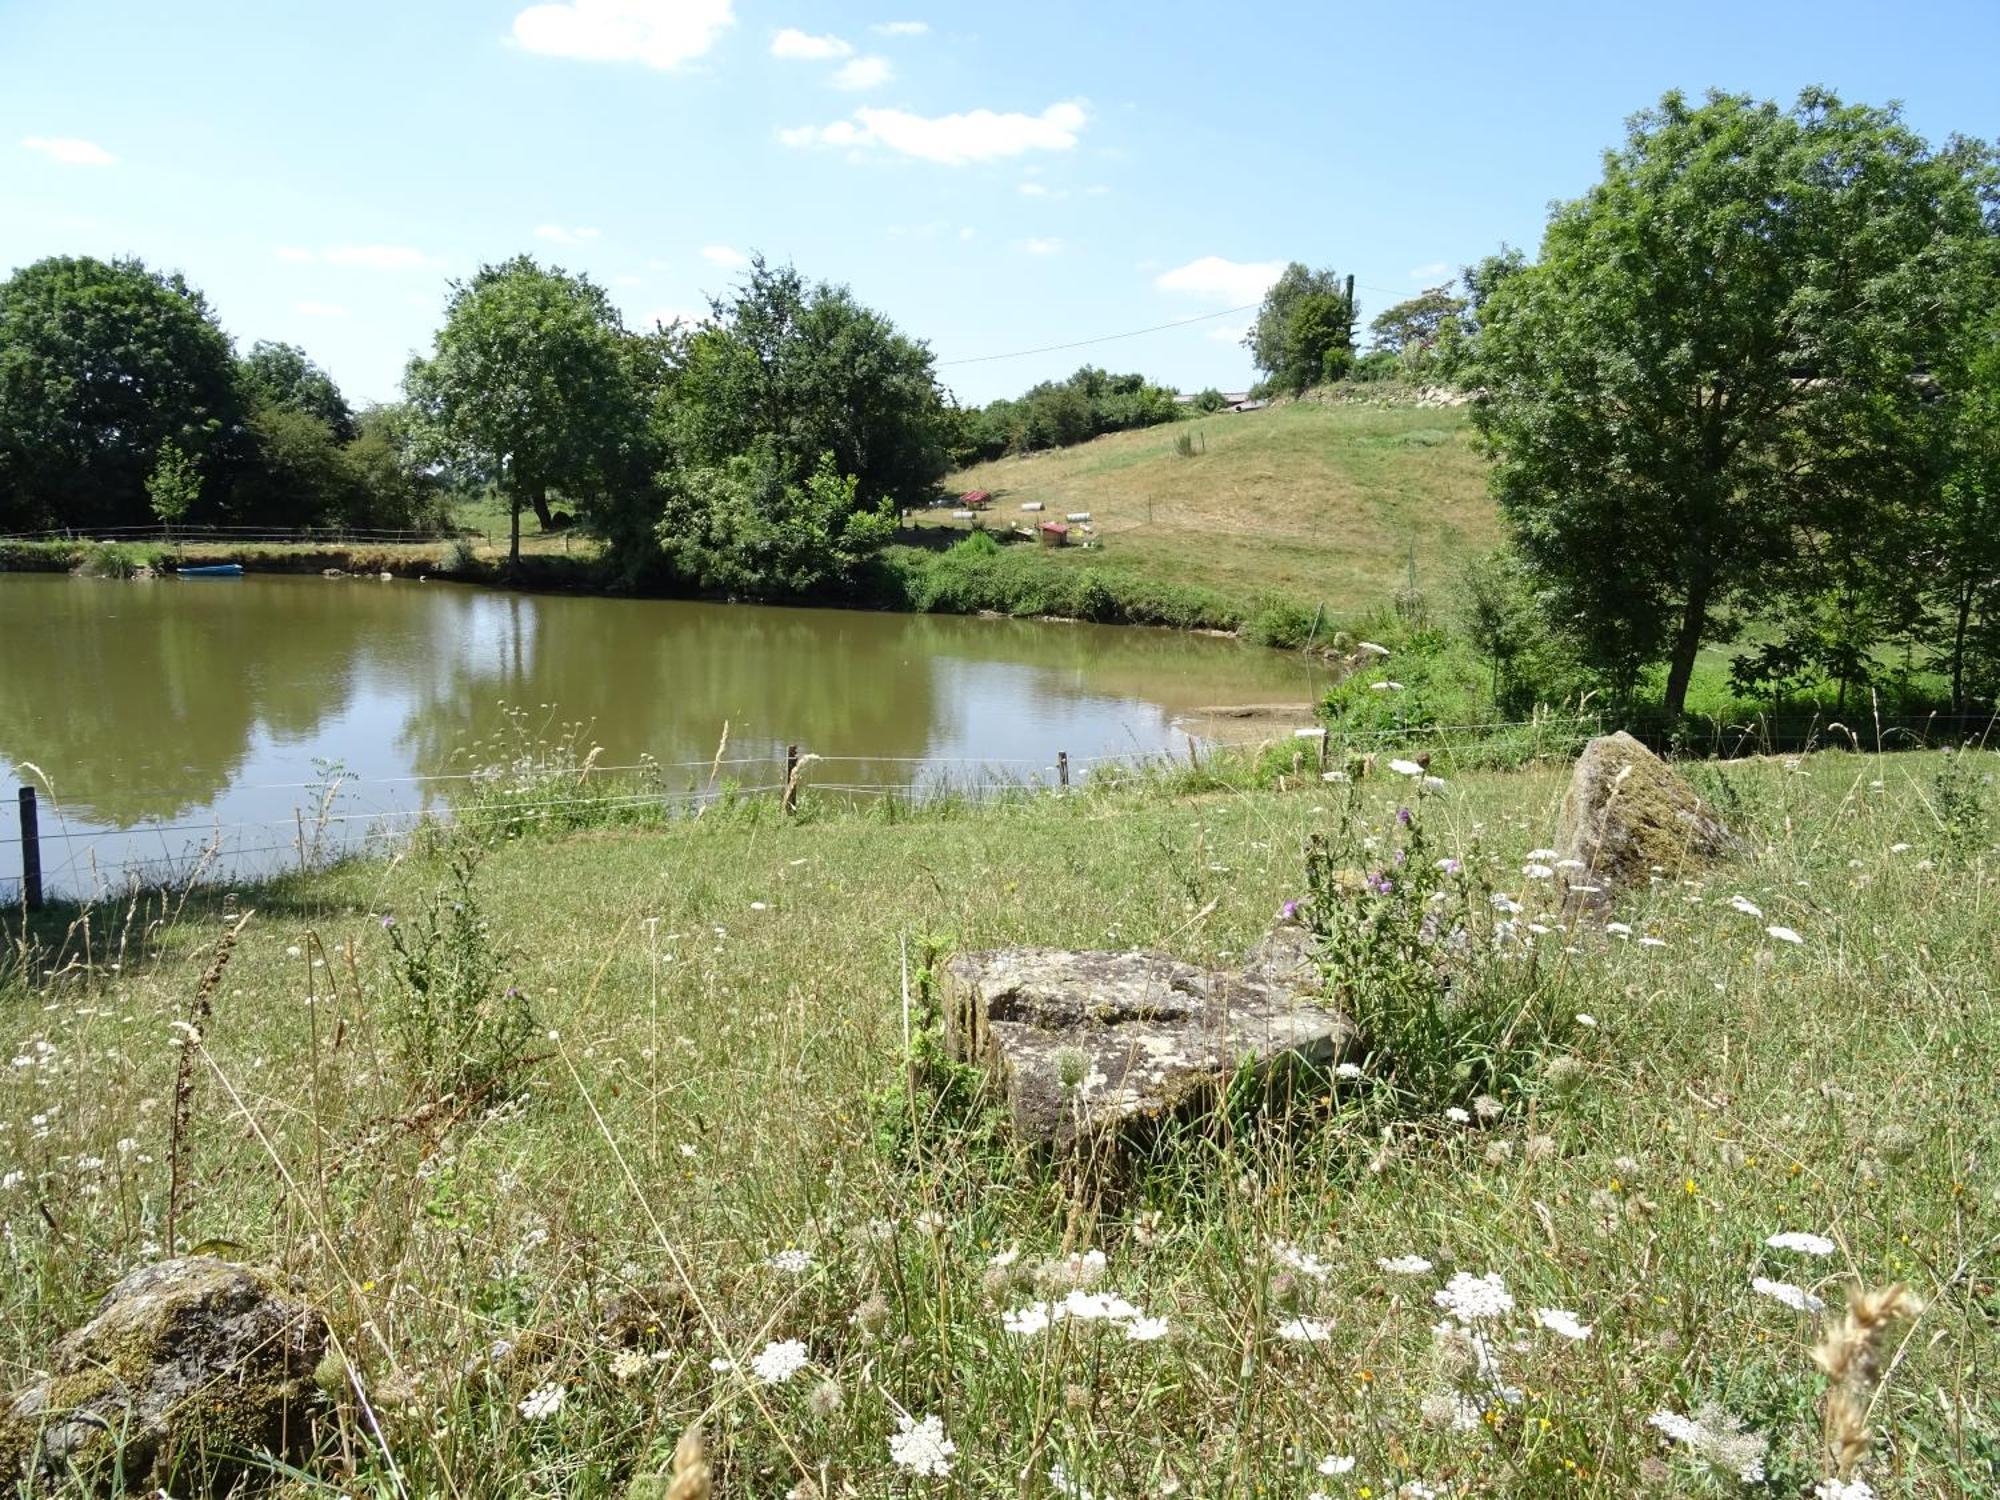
x=172, y=714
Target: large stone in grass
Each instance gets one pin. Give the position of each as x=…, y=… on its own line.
x=1627, y=815
x=192, y=1376
x=1094, y=1047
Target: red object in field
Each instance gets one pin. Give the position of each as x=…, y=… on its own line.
x=976, y=499
x=1055, y=534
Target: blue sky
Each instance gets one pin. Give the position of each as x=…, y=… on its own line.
x=995, y=177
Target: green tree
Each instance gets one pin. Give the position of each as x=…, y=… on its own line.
x=745, y=529
x=1425, y=331
x=1960, y=554
x=394, y=489
x=530, y=387
x=283, y=375
x=101, y=363
x=174, y=485
x=801, y=370
x=1748, y=292
x=298, y=475
x=1304, y=331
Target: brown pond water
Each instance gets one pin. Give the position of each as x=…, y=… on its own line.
x=163, y=711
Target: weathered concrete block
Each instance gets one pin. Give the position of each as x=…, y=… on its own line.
x=1094, y=1045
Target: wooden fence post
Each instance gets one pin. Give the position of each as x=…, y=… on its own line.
x=31, y=852
x=1062, y=768
x=791, y=777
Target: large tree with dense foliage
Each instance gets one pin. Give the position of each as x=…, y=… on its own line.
x=1055, y=413
x=798, y=370
x=103, y=364
x=529, y=387
x=1712, y=361
x=284, y=375
x=1304, y=333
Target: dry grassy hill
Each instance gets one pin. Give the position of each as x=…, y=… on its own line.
x=1324, y=502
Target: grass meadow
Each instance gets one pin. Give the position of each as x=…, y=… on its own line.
x=707, y=1094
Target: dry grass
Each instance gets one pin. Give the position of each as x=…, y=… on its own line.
x=1318, y=502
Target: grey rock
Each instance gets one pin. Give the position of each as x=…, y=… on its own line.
x=1626, y=814
x=1089, y=1047
x=189, y=1368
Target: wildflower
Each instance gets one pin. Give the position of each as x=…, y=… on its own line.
x=777, y=1363
x=11, y=1181
x=921, y=1447
x=1585, y=1019
x=1403, y=1265
x=1899, y=848
x=1335, y=1464
x=1616, y=929
x=1717, y=1439
x=1387, y=685
x=722, y=1364
x=1784, y=934
x=627, y=1363
x=1347, y=1070
x=1457, y=1116
x=1652, y=942
x=1475, y=1299
x=1406, y=768
x=1369, y=648
x=1565, y=1323
x=1026, y=1321
x=1305, y=1331
x=826, y=1398
x=1844, y=1489
x=1487, y=1107
x=1302, y=1261
x=791, y=1262
x=1450, y=866
x=1804, y=1244
x=1092, y=1307
x=1456, y=1413
x=1501, y=901
x=1002, y=1259
x=1144, y=1330
x=544, y=1402
x=1745, y=905
x=1435, y=783
x=1335, y=776
x=1535, y=871
x=872, y=1316
x=1797, y=1298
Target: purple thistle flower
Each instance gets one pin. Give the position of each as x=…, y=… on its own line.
x=1380, y=883
x=1403, y=817
x=1289, y=911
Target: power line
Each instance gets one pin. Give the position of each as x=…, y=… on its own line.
x=1101, y=339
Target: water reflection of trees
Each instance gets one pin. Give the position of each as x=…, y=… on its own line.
x=146, y=700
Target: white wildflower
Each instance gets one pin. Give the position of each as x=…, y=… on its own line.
x=1093, y=1307
x=1843, y=1489
x=1335, y=1464
x=1001, y=1260
x=1406, y=768
x=543, y=1402
x=1143, y=1330
x=1302, y=1261
x=1032, y=1319
x=1745, y=905
x=1501, y=901
x=1475, y=1299
x=1618, y=929
x=792, y=1262
x=1718, y=1439
x=1797, y=1298
x=777, y=1363
x=1403, y=1265
x=1457, y=1116
x=1435, y=783
x=1347, y=1070
x=1386, y=686
x=1585, y=1019
x=627, y=1363
x=1304, y=1331
x=921, y=1447
x=1565, y=1323
x=1652, y=942
x=1803, y=1243
x=1535, y=871
x=1784, y=934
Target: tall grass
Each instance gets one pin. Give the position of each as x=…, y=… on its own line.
x=687, y=1216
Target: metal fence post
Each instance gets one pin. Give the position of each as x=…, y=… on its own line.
x=31, y=852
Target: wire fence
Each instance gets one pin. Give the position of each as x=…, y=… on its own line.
x=243, y=535
x=83, y=857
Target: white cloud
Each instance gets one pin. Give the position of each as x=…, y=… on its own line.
x=863, y=73
x=1045, y=246
x=1032, y=190
x=950, y=140
x=69, y=150
x=804, y=47
x=901, y=28
x=379, y=257
x=967, y=232
x=658, y=33
x=1236, y=282
x=1433, y=272
x=726, y=256
x=564, y=236
x=322, y=309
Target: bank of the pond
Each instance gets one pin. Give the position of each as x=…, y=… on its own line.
x=1018, y=581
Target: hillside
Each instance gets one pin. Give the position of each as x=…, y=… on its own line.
x=1323, y=502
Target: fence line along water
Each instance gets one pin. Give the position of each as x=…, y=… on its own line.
x=324, y=828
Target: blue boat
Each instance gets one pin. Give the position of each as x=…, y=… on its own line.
x=213, y=570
